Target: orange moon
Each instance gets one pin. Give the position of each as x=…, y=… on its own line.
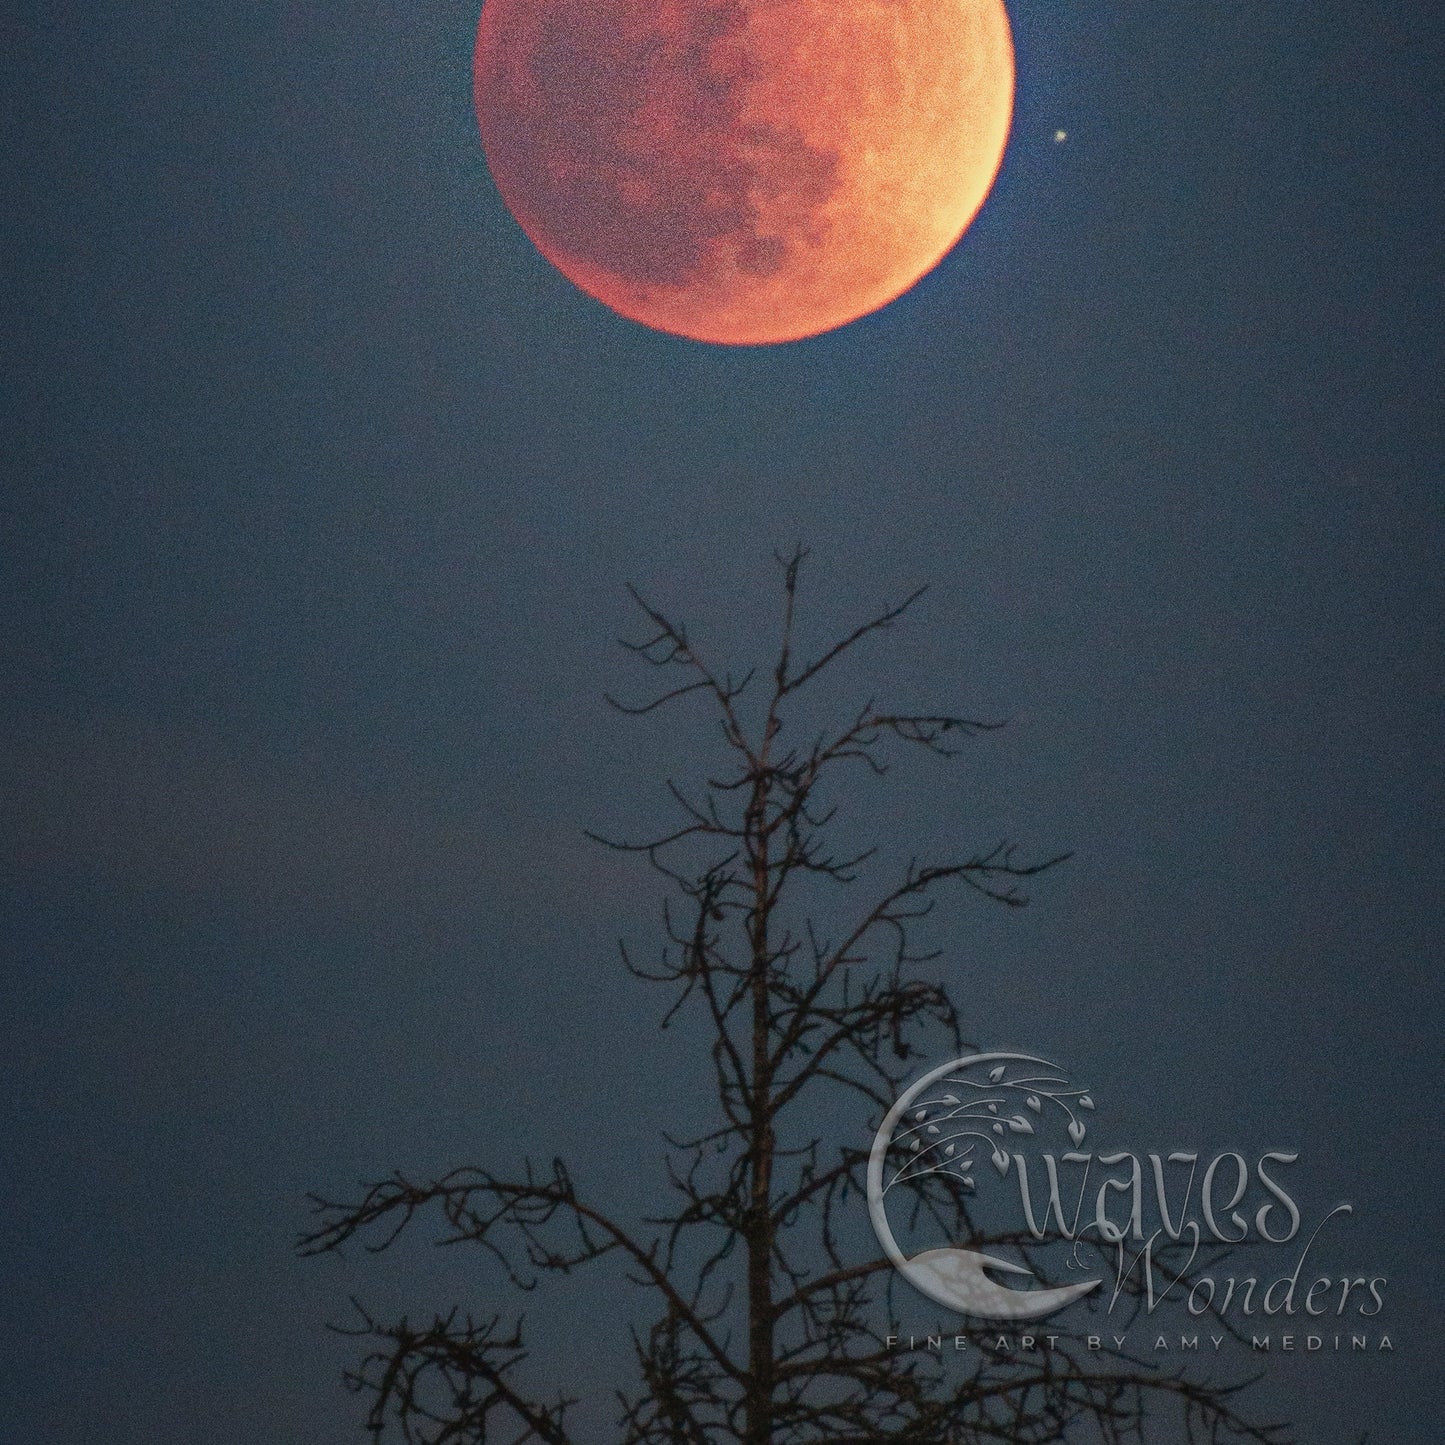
x=744, y=171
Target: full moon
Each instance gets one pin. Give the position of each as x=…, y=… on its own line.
x=744, y=171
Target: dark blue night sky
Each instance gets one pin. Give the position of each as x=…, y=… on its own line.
x=321, y=492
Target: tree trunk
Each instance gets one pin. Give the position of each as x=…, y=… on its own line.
x=759, y=1231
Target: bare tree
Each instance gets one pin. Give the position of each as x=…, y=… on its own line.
x=771, y=1322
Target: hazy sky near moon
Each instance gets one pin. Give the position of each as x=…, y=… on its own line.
x=321, y=489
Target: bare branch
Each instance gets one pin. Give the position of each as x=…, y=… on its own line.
x=770, y=1328
x=880, y=623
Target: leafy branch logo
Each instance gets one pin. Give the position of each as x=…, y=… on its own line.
x=940, y=1128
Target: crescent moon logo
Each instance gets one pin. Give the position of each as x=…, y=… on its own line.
x=936, y=1128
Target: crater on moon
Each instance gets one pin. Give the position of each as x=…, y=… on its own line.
x=627, y=145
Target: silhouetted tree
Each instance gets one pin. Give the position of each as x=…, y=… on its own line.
x=770, y=1326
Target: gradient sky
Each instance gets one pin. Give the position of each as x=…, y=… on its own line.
x=321, y=492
